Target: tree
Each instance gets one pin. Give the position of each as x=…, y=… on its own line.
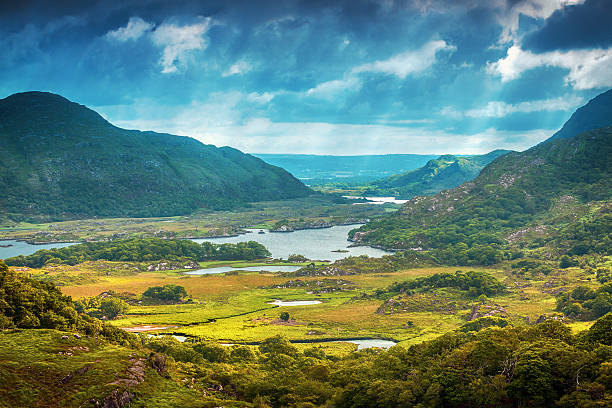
x=166, y=293
x=284, y=316
x=112, y=307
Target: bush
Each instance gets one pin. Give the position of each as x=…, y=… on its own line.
x=166, y=293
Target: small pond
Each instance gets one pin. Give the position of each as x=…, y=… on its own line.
x=223, y=269
x=279, y=302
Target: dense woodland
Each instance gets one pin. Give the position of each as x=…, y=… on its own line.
x=142, y=250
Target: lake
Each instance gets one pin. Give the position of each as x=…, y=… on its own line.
x=312, y=243
x=23, y=248
x=377, y=200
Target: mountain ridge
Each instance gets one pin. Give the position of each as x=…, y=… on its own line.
x=514, y=194
x=62, y=160
x=444, y=172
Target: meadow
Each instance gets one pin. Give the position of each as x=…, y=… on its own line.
x=234, y=307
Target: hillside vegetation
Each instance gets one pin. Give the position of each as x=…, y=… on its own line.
x=531, y=189
x=439, y=174
x=61, y=160
x=53, y=355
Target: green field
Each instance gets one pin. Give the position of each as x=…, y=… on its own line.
x=238, y=301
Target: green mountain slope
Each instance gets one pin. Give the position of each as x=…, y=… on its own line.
x=595, y=114
x=61, y=160
x=515, y=191
x=439, y=174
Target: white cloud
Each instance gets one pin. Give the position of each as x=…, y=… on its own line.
x=400, y=65
x=135, y=28
x=408, y=62
x=178, y=41
x=260, y=98
x=498, y=109
x=241, y=67
x=220, y=122
x=329, y=89
x=587, y=68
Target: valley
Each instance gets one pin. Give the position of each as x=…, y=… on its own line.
x=220, y=306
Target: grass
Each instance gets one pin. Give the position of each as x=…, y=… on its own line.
x=33, y=364
x=233, y=307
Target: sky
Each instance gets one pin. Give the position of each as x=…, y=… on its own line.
x=318, y=76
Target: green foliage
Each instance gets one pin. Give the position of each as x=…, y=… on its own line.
x=474, y=283
x=483, y=323
x=284, y=316
x=586, y=304
x=439, y=174
x=166, y=293
x=31, y=304
x=566, y=262
x=28, y=303
x=113, y=307
x=512, y=192
x=98, y=170
x=277, y=345
x=143, y=250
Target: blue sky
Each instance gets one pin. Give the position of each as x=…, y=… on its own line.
x=319, y=77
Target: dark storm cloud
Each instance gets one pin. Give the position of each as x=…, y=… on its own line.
x=255, y=68
x=587, y=25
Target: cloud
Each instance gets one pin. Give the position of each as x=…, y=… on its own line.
x=135, y=28
x=409, y=62
x=260, y=98
x=510, y=13
x=330, y=89
x=178, y=41
x=587, y=68
x=400, y=65
x=499, y=109
x=220, y=121
x=241, y=67
x=578, y=26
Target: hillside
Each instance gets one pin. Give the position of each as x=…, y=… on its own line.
x=439, y=174
x=61, y=160
x=595, y=114
x=544, y=189
x=321, y=169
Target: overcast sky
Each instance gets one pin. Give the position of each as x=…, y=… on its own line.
x=318, y=76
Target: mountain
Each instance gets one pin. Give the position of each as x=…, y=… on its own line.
x=559, y=190
x=61, y=160
x=321, y=169
x=595, y=114
x=438, y=174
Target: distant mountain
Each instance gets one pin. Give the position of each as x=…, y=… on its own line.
x=439, y=174
x=61, y=160
x=315, y=169
x=559, y=189
x=595, y=114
